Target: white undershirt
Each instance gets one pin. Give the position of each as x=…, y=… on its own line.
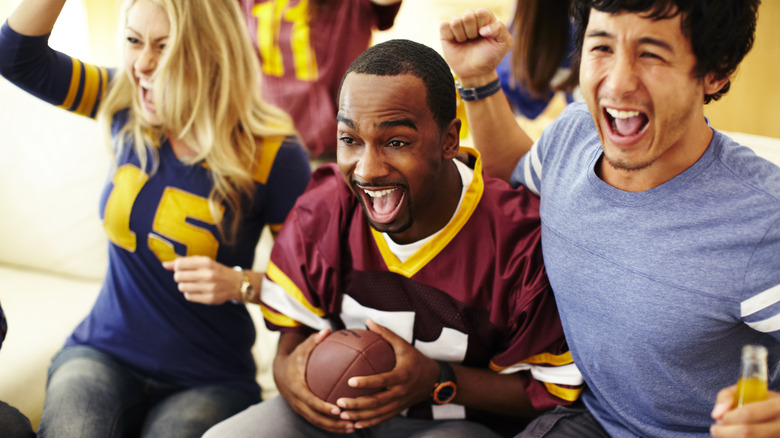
x=403, y=252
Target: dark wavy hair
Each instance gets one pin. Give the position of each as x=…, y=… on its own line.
x=397, y=57
x=721, y=32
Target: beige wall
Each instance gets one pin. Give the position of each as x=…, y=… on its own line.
x=753, y=103
x=103, y=16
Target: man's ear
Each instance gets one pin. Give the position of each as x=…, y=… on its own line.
x=451, y=140
x=713, y=84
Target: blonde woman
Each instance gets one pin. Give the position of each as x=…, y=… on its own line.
x=202, y=164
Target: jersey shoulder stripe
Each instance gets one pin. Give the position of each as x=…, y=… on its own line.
x=87, y=88
x=269, y=148
x=277, y=276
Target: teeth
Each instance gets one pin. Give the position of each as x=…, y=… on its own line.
x=621, y=114
x=145, y=84
x=377, y=193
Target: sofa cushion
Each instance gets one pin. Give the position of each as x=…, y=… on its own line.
x=52, y=170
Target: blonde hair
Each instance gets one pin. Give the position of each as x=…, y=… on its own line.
x=207, y=94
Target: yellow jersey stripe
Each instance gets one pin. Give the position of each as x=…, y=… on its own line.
x=277, y=276
x=568, y=394
x=277, y=318
x=552, y=359
x=90, y=93
x=103, y=83
x=75, y=78
x=268, y=150
x=275, y=228
x=304, y=59
x=541, y=358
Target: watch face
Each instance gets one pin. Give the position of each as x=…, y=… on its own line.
x=444, y=393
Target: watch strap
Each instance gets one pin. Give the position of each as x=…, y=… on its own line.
x=445, y=389
x=472, y=94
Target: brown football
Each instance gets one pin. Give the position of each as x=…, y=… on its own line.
x=344, y=354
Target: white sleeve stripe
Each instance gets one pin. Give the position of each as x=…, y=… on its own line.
x=536, y=161
x=562, y=375
x=275, y=296
x=760, y=301
x=532, y=159
x=768, y=325
x=450, y=411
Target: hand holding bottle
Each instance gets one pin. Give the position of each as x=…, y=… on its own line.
x=748, y=408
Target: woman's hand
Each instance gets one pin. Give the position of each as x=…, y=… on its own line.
x=203, y=280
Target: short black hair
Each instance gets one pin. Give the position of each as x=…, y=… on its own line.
x=397, y=57
x=721, y=32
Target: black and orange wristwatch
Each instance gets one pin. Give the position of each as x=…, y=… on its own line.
x=445, y=389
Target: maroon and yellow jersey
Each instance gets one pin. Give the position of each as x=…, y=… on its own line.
x=304, y=54
x=475, y=294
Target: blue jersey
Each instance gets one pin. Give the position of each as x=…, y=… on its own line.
x=140, y=317
x=658, y=290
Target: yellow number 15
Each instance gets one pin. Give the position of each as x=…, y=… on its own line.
x=170, y=220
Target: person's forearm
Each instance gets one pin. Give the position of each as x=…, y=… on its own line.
x=288, y=341
x=492, y=392
x=256, y=278
x=496, y=134
x=35, y=17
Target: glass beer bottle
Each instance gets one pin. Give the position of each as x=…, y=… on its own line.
x=752, y=384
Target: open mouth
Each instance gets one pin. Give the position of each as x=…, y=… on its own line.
x=382, y=205
x=626, y=123
x=146, y=95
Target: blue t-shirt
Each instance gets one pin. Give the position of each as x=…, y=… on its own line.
x=658, y=290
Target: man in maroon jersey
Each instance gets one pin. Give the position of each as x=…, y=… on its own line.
x=404, y=238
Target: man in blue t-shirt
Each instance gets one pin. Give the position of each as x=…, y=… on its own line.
x=661, y=236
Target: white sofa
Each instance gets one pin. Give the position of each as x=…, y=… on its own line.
x=52, y=247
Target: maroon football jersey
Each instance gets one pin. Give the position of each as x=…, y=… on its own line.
x=304, y=56
x=476, y=294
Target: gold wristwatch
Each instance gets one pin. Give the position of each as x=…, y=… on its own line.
x=246, y=290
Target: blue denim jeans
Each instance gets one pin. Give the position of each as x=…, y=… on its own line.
x=89, y=394
x=276, y=419
x=565, y=422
